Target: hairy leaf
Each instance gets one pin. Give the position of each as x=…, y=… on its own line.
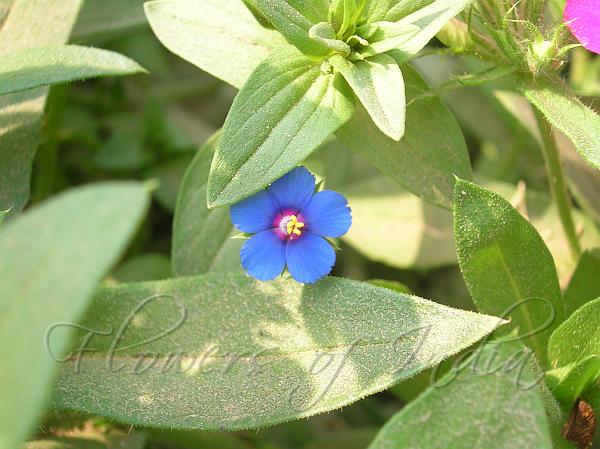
x=567, y=114
x=432, y=150
x=294, y=18
x=282, y=114
x=221, y=351
x=489, y=402
x=578, y=337
x=506, y=265
x=35, y=67
x=570, y=381
x=52, y=259
x=201, y=236
x=30, y=23
x=219, y=36
x=378, y=84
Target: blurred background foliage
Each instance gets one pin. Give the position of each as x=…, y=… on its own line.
x=149, y=127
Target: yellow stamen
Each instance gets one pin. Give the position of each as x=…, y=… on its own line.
x=294, y=226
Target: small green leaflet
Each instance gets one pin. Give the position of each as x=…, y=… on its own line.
x=567, y=114
x=378, y=83
x=411, y=33
x=201, y=236
x=491, y=402
x=35, y=67
x=285, y=110
x=219, y=36
x=53, y=256
x=506, y=265
x=222, y=351
x=294, y=18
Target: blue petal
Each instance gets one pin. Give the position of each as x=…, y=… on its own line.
x=254, y=214
x=294, y=190
x=327, y=214
x=263, y=255
x=309, y=258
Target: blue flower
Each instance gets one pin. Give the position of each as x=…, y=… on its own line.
x=289, y=222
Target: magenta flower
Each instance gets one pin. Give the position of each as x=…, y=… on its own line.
x=289, y=222
x=583, y=19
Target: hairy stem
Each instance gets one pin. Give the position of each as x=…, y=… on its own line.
x=558, y=186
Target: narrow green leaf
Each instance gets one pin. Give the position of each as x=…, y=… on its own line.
x=375, y=10
x=35, y=67
x=343, y=14
x=411, y=33
x=506, y=265
x=294, y=18
x=578, y=337
x=378, y=84
x=567, y=114
x=21, y=113
x=251, y=5
x=246, y=354
x=585, y=282
x=488, y=403
x=201, y=236
x=570, y=381
x=402, y=8
x=53, y=256
x=324, y=33
x=431, y=151
x=219, y=36
x=286, y=109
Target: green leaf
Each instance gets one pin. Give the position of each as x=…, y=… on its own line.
x=375, y=10
x=201, y=236
x=432, y=150
x=108, y=17
x=567, y=114
x=570, y=381
x=53, y=257
x=219, y=36
x=21, y=114
x=294, y=18
x=402, y=8
x=143, y=267
x=486, y=403
x=35, y=67
x=343, y=14
x=286, y=109
x=379, y=206
x=378, y=84
x=506, y=265
x=324, y=33
x=584, y=285
x=578, y=337
x=253, y=353
x=411, y=33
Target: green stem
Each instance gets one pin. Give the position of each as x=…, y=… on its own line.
x=558, y=187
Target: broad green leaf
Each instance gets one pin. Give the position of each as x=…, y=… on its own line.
x=246, y=354
x=282, y=114
x=35, y=67
x=378, y=84
x=506, y=265
x=570, y=381
x=432, y=150
x=201, y=236
x=108, y=17
x=381, y=208
x=411, y=33
x=324, y=33
x=578, y=337
x=489, y=402
x=567, y=114
x=585, y=283
x=294, y=18
x=53, y=257
x=219, y=36
x=21, y=113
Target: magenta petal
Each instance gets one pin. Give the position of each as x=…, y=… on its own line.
x=583, y=19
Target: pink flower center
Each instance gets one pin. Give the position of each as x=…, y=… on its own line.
x=289, y=225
